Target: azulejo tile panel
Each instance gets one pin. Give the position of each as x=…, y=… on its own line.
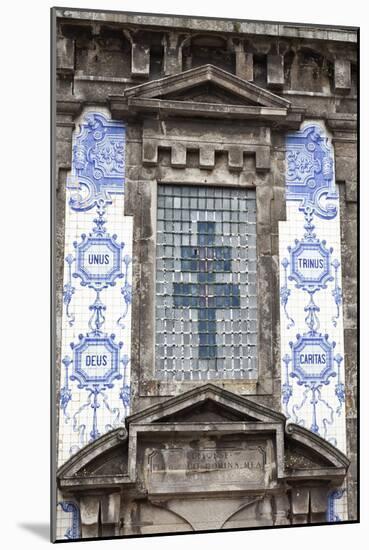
x=96, y=323
x=68, y=520
x=313, y=385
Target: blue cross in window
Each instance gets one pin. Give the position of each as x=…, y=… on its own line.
x=205, y=295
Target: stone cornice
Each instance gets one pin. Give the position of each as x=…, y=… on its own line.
x=211, y=24
x=193, y=108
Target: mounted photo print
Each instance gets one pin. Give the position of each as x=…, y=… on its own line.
x=205, y=330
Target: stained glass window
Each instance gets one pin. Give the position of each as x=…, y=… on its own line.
x=206, y=304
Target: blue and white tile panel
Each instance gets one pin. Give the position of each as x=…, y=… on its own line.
x=96, y=323
x=68, y=523
x=312, y=349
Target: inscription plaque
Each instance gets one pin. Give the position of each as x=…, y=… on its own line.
x=207, y=468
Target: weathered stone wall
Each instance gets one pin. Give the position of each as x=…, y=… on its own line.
x=100, y=55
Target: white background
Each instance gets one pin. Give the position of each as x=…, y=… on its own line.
x=25, y=249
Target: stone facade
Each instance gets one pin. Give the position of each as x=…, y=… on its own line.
x=147, y=105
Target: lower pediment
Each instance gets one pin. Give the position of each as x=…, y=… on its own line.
x=205, y=446
x=205, y=435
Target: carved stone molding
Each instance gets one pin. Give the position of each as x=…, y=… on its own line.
x=241, y=450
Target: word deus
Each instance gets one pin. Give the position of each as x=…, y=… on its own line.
x=96, y=360
x=313, y=359
x=98, y=259
x=310, y=263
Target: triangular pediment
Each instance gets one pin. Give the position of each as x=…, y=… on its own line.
x=206, y=411
x=300, y=457
x=207, y=401
x=207, y=84
x=208, y=92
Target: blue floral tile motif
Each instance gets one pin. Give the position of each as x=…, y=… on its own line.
x=95, y=389
x=309, y=175
x=98, y=161
x=313, y=390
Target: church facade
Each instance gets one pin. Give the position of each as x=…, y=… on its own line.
x=205, y=238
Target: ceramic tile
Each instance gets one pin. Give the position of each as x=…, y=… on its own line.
x=95, y=375
x=312, y=347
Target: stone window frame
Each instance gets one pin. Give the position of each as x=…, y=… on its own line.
x=141, y=202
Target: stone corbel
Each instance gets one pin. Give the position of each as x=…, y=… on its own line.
x=318, y=504
x=140, y=55
x=89, y=510
x=275, y=65
x=342, y=75
x=100, y=515
x=300, y=505
x=65, y=56
x=275, y=70
x=95, y=50
x=244, y=60
x=173, y=45
x=309, y=504
x=110, y=514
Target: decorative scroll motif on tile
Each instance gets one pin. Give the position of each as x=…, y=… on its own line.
x=95, y=378
x=98, y=162
x=69, y=521
x=332, y=513
x=309, y=175
x=313, y=390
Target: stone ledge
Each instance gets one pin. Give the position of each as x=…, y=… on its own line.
x=212, y=24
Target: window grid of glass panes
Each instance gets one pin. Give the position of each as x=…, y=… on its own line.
x=206, y=307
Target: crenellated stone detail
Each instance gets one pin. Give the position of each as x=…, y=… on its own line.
x=206, y=153
x=251, y=141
